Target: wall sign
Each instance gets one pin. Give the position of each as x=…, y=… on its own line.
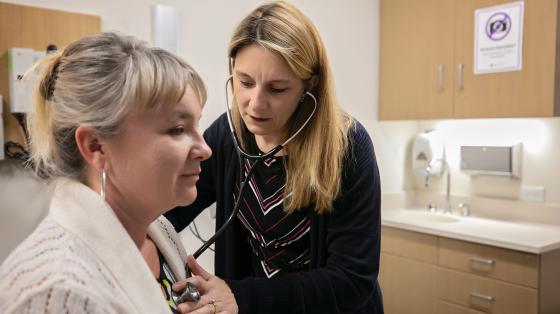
x=498, y=41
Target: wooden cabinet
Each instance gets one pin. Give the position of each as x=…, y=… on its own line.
x=408, y=272
x=427, y=63
x=408, y=285
x=423, y=273
x=416, y=51
x=487, y=295
x=506, y=265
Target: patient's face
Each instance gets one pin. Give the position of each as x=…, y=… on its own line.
x=153, y=164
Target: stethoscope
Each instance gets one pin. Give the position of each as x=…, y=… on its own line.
x=191, y=293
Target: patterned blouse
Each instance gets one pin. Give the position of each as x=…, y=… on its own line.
x=166, y=281
x=280, y=241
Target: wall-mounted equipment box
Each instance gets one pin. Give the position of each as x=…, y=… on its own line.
x=20, y=60
x=492, y=160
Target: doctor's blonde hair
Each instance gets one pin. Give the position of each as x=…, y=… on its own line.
x=316, y=156
x=96, y=82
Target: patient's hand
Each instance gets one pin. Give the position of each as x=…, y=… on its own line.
x=216, y=296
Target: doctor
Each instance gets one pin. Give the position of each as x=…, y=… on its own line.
x=307, y=235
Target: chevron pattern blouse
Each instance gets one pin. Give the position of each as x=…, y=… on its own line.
x=280, y=241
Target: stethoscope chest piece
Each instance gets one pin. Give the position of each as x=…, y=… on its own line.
x=190, y=294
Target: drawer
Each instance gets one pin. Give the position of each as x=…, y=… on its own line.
x=414, y=245
x=449, y=308
x=485, y=295
x=507, y=265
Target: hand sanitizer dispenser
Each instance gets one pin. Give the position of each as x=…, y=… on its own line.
x=427, y=154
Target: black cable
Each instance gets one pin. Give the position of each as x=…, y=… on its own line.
x=194, y=230
x=16, y=150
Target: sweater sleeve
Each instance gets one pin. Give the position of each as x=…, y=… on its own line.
x=61, y=298
x=347, y=281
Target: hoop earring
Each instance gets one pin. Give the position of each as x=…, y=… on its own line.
x=103, y=184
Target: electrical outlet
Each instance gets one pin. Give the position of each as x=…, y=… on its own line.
x=532, y=193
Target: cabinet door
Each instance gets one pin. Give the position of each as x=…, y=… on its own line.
x=525, y=93
x=416, y=50
x=408, y=286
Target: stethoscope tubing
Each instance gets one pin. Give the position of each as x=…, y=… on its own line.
x=241, y=153
x=256, y=158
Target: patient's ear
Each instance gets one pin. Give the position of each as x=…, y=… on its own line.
x=91, y=147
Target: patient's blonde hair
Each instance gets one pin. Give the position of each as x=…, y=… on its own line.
x=96, y=82
x=315, y=157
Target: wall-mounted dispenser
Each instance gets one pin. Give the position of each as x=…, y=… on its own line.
x=492, y=160
x=20, y=60
x=428, y=159
x=427, y=154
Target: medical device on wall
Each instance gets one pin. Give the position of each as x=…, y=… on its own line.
x=428, y=154
x=20, y=60
x=492, y=160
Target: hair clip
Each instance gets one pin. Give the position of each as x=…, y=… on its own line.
x=52, y=80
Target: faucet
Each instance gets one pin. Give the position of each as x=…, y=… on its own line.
x=447, y=210
x=447, y=207
x=465, y=209
x=427, y=176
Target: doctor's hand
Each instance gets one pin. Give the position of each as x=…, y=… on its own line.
x=216, y=296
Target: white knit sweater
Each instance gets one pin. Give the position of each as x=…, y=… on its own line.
x=80, y=259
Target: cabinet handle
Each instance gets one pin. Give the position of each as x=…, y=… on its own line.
x=460, y=75
x=482, y=296
x=482, y=260
x=441, y=69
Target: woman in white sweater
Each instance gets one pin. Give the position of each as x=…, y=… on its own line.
x=115, y=126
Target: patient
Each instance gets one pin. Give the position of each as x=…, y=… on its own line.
x=115, y=128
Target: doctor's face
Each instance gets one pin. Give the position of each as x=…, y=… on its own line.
x=154, y=163
x=267, y=91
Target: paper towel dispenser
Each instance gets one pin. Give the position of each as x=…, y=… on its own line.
x=492, y=160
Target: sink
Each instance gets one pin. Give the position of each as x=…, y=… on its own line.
x=425, y=216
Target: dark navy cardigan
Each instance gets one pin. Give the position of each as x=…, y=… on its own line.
x=345, y=245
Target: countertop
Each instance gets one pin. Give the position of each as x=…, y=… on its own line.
x=528, y=237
